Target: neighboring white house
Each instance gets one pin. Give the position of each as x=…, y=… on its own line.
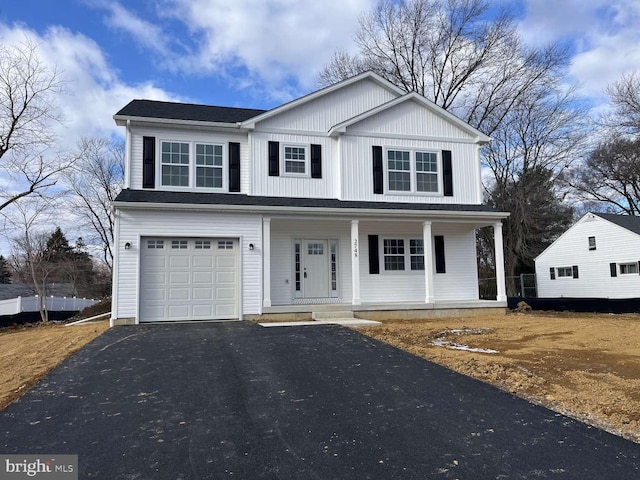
x=356, y=197
x=598, y=257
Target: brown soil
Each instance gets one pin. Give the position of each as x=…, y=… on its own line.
x=583, y=365
x=28, y=353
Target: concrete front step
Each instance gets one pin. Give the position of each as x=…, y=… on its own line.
x=346, y=322
x=330, y=315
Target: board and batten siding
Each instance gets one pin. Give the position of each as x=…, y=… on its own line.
x=283, y=234
x=288, y=185
x=322, y=113
x=357, y=175
x=409, y=118
x=460, y=282
x=136, y=223
x=185, y=135
x=614, y=244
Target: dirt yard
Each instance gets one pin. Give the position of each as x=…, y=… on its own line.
x=28, y=353
x=586, y=366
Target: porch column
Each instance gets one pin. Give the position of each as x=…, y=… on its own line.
x=499, y=248
x=266, y=262
x=427, y=241
x=355, y=262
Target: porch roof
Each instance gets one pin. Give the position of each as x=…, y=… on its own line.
x=158, y=198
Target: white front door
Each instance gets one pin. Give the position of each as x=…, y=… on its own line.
x=315, y=272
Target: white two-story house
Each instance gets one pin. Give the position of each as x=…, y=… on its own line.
x=356, y=197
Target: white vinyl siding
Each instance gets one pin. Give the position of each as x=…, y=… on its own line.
x=192, y=137
x=614, y=245
x=459, y=283
x=205, y=226
x=357, y=176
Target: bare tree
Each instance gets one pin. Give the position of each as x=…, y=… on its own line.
x=610, y=177
x=30, y=255
x=95, y=180
x=28, y=89
x=477, y=67
x=625, y=98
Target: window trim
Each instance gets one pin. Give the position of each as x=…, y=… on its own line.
x=565, y=270
x=413, y=171
x=307, y=160
x=407, y=256
x=635, y=265
x=192, y=166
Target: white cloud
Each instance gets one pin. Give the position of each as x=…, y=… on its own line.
x=93, y=90
x=603, y=34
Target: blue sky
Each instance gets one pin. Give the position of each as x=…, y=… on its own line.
x=260, y=53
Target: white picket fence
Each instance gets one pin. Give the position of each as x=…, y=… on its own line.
x=13, y=306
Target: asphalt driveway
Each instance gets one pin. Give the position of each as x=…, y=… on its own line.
x=235, y=400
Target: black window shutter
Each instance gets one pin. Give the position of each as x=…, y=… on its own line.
x=274, y=159
x=374, y=259
x=447, y=173
x=316, y=161
x=438, y=242
x=234, y=167
x=148, y=162
x=614, y=269
x=575, y=271
x=552, y=273
x=378, y=170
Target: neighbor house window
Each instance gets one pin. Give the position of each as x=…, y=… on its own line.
x=175, y=164
x=209, y=167
x=295, y=160
x=565, y=272
x=413, y=171
x=592, y=243
x=630, y=268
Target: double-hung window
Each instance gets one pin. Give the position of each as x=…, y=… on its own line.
x=192, y=164
x=413, y=171
x=175, y=164
x=397, y=257
x=208, y=165
x=296, y=160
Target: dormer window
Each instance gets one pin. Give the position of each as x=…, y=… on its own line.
x=175, y=164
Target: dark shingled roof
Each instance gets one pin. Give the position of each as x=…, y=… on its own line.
x=629, y=222
x=196, y=198
x=187, y=111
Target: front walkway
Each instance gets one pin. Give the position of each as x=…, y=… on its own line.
x=235, y=400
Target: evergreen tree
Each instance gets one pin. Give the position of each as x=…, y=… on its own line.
x=5, y=271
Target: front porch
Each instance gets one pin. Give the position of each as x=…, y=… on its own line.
x=416, y=267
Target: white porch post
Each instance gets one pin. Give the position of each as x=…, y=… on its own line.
x=428, y=262
x=499, y=248
x=266, y=262
x=355, y=262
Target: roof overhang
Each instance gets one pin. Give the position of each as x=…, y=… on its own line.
x=121, y=120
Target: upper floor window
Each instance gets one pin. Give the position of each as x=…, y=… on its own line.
x=295, y=160
x=412, y=171
x=175, y=164
x=184, y=164
x=208, y=165
x=592, y=243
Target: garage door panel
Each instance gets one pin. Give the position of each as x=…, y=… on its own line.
x=179, y=261
x=199, y=280
x=202, y=278
x=178, y=278
x=202, y=294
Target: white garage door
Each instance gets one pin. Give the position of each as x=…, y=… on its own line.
x=188, y=279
